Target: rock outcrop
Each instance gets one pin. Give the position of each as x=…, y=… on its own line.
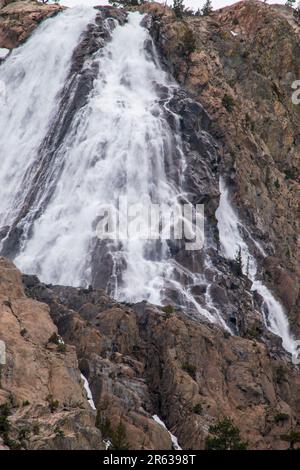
x=18, y=19
x=141, y=361
x=41, y=390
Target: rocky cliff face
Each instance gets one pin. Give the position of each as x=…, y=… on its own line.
x=41, y=387
x=18, y=19
x=141, y=360
x=240, y=64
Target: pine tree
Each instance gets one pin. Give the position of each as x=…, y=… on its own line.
x=297, y=12
x=239, y=262
x=293, y=438
x=119, y=440
x=207, y=8
x=178, y=8
x=224, y=436
x=290, y=3
x=248, y=267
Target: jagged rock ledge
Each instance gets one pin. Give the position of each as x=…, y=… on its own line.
x=18, y=19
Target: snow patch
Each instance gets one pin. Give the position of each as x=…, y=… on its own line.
x=174, y=439
x=88, y=392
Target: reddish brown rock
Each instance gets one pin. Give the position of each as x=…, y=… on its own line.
x=141, y=361
x=245, y=60
x=18, y=20
x=40, y=382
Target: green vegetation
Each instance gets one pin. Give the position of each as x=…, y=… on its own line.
x=5, y=428
x=118, y=437
x=292, y=437
x=238, y=262
x=224, y=436
x=178, y=8
x=119, y=440
x=277, y=184
x=207, y=8
x=190, y=369
x=249, y=122
x=61, y=348
x=281, y=417
x=290, y=3
x=280, y=374
x=36, y=428
x=198, y=409
x=53, y=404
x=126, y=3
x=228, y=102
x=24, y=433
x=54, y=338
x=59, y=432
x=289, y=174
x=189, y=42
x=297, y=12
x=168, y=309
x=4, y=423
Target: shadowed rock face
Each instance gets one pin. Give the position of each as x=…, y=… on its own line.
x=245, y=60
x=142, y=361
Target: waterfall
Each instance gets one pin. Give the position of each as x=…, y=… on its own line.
x=33, y=76
x=123, y=140
x=116, y=146
x=231, y=240
x=119, y=143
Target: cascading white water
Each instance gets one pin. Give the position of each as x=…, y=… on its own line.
x=119, y=144
x=231, y=241
x=33, y=76
x=115, y=147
